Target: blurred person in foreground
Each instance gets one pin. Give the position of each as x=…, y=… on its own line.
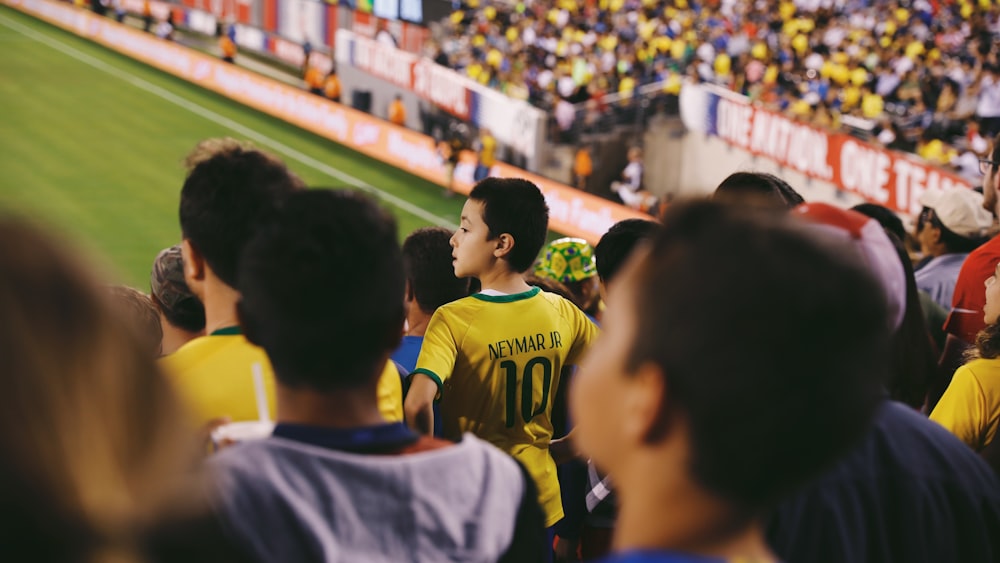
x=336, y=481
x=181, y=314
x=703, y=444
x=97, y=456
x=138, y=309
x=909, y=491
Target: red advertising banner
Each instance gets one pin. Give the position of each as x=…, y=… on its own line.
x=890, y=178
x=573, y=212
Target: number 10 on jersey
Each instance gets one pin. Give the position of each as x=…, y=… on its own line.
x=527, y=407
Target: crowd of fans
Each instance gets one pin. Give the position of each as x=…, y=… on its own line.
x=917, y=71
x=298, y=386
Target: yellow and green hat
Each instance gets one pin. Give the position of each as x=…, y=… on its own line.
x=567, y=260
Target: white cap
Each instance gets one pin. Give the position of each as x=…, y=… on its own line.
x=960, y=210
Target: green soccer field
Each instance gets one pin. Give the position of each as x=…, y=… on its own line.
x=92, y=144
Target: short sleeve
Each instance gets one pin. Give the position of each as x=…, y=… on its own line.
x=584, y=334
x=390, y=393
x=439, y=350
x=962, y=409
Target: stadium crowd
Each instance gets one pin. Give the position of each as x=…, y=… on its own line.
x=298, y=386
x=919, y=70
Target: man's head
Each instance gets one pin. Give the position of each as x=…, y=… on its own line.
x=617, y=245
x=169, y=292
x=503, y=219
x=744, y=353
x=230, y=190
x=430, y=277
x=758, y=188
x=322, y=290
x=951, y=221
x=991, y=177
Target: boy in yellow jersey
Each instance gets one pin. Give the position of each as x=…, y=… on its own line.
x=230, y=191
x=494, y=358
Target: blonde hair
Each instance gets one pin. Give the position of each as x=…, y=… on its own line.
x=90, y=433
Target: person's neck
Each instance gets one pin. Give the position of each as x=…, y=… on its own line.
x=937, y=251
x=416, y=320
x=174, y=338
x=220, y=301
x=671, y=513
x=341, y=408
x=503, y=280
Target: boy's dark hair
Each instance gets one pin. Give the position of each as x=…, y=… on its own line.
x=740, y=187
x=427, y=263
x=516, y=207
x=230, y=191
x=322, y=290
x=772, y=340
x=617, y=245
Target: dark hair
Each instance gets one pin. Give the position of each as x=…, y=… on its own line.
x=741, y=187
x=802, y=324
x=885, y=217
x=231, y=189
x=516, y=207
x=187, y=314
x=428, y=266
x=140, y=314
x=322, y=290
x=987, y=344
x=617, y=245
x=955, y=243
x=550, y=285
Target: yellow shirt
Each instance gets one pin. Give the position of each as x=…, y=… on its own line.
x=213, y=376
x=872, y=106
x=497, y=361
x=487, y=153
x=970, y=408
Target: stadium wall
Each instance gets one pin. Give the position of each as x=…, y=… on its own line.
x=572, y=212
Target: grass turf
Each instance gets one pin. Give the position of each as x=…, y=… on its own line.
x=98, y=159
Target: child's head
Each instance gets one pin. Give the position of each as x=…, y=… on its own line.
x=615, y=247
x=744, y=352
x=570, y=261
x=322, y=290
x=430, y=277
x=505, y=219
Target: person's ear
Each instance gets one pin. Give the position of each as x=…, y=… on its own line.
x=194, y=262
x=645, y=401
x=504, y=245
x=935, y=235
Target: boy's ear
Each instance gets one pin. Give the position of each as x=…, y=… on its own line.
x=194, y=262
x=505, y=244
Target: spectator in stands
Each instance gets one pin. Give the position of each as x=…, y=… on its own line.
x=570, y=261
x=909, y=491
x=231, y=189
x=397, y=111
x=951, y=224
x=965, y=319
x=885, y=216
x=315, y=81
x=147, y=15
x=486, y=149
x=165, y=29
x=430, y=283
x=336, y=481
x=629, y=187
x=181, y=314
x=759, y=188
x=583, y=167
x=227, y=45
x=331, y=87
x=138, y=310
x=93, y=440
x=970, y=408
x=697, y=441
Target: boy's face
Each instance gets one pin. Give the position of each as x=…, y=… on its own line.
x=472, y=249
x=612, y=406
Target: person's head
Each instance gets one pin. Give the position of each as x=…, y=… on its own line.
x=988, y=339
x=757, y=188
x=570, y=261
x=230, y=190
x=139, y=311
x=951, y=221
x=504, y=220
x=889, y=220
x=430, y=276
x=322, y=290
x=617, y=245
x=744, y=353
x=180, y=307
x=991, y=177
x=635, y=154
x=91, y=435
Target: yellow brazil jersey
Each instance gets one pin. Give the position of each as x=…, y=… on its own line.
x=213, y=376
x=497, y=361
x=970, y=408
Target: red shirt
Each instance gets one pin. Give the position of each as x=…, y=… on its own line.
x=966, y=317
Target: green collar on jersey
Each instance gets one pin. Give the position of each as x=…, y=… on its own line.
x=507, y=298
x=227, y=331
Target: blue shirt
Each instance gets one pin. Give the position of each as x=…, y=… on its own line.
x=938, y=276
x=409, y=349
x=650, y=556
